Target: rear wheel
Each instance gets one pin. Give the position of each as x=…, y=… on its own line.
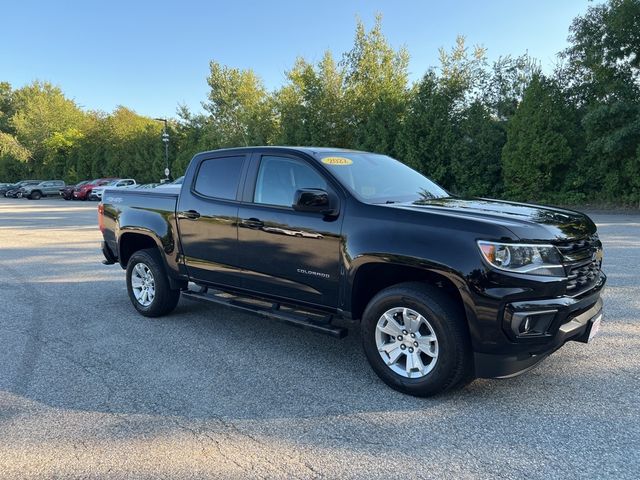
x=148, y=285
x=416, y=340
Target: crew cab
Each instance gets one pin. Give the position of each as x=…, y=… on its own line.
x=445, y=289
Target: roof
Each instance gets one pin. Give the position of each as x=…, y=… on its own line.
x=305, y=149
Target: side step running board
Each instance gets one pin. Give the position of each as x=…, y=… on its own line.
x=274, y=311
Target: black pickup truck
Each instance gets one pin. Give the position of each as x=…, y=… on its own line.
x=445, y=289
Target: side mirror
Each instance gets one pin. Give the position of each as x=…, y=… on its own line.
x=313, y=200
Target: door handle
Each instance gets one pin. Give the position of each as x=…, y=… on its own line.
x=189, y=215
x=253, y=223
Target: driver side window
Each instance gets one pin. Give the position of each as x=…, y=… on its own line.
x=280, y=177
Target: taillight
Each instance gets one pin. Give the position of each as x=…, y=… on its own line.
x=101, y=216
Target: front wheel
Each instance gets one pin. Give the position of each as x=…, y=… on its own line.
x=416, y=340
x=148, y=284
x=35, y=195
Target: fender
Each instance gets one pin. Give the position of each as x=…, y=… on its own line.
x=156, y=226
x=422, y=269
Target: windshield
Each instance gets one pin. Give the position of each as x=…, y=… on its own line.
x=375, y=178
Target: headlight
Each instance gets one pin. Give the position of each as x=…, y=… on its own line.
x=520, y=258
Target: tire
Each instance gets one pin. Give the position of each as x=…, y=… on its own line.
x=441, y=363
x=164, y=299
x=36, y=195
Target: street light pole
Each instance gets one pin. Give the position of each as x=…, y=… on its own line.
x=165, y=140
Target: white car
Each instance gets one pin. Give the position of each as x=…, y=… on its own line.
x=96, y=193
x=176, y=185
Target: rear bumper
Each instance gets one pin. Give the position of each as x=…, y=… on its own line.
x=574, y=320
x=109, y=256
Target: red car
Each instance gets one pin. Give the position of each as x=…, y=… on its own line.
x=82, y=192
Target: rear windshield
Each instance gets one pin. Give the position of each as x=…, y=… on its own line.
x=374, y=178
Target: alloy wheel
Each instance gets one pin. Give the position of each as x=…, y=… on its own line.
x=406, y=342
x=143, y=284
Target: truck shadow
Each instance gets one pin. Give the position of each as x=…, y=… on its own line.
x=81, y=346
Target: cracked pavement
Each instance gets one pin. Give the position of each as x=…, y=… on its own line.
x=91, y=389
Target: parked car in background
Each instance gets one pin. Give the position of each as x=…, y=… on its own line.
x=84, y=191
x=147, y=185
x=66, y=192
x=175, y=185
x=96, y=192
x=14, y=191
x=43, y=189
x=5, y=187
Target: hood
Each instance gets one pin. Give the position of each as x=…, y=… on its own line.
x=528, y=222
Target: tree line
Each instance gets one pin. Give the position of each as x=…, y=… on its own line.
x=498, y=129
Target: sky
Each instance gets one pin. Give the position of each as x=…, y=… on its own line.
x=152, y=56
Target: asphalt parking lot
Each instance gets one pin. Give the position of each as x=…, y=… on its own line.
x=90, y=389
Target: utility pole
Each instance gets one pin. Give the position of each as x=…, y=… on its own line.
x=165, y=140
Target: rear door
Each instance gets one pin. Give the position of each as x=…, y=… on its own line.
x=54, y=187
x=207, y=218
x=286, y=253
x=44, y=187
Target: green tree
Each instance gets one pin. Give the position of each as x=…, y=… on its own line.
x=428, y=135
x=6, y=107
x=311, y=105
x=503, y=87
x=537, y=152
x=13, y=158
x=601, y=75
x=476, y=153
x=240, y=107
x=438, y=132
x=376, y=81
x=41, y=110
x=192, y=133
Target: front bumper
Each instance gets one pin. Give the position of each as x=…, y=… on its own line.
x=572, y=320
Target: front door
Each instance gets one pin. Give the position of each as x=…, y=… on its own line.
x=283, y=252
x=207, y=219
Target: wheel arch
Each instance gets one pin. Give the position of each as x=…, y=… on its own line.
x=132, y=241
x=372, y=277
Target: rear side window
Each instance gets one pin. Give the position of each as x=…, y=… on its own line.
x=219, y=177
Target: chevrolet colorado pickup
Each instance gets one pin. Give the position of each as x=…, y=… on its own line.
x=445, y=289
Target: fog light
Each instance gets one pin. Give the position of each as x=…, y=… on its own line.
x=529, y=324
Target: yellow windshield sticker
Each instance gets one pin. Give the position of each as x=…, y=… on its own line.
x=337, y=161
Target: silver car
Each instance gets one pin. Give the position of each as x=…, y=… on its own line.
x=42, y=189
